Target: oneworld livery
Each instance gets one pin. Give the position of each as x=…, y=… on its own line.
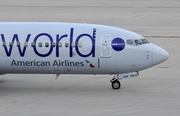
x=72, y=48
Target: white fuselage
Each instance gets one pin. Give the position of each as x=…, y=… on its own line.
x=69, y=48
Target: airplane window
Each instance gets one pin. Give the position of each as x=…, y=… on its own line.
x=10, y=44
x=4, y=44
x=130, y=42
x=25, y=44
x=60, y=44
x=18, y=44
x=47, y=44
x=73, y=44
x=144, y=41
x=53, y=44
x=138, y=42
x=40, y=44
x=32, y=44
x=80, y=44
x=66, y=44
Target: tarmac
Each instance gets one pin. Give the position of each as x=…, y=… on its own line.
x=156, y=92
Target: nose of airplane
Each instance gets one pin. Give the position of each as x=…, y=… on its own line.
x=159, y=55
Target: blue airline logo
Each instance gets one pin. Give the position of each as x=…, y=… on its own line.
x=118, y=44
x=57, y=39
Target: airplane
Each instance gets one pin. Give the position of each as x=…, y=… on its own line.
x=75, y=48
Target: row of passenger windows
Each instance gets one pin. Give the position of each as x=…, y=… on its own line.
x=136, y=42
x=132, y=42
x=47, y=44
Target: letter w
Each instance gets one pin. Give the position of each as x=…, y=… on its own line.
x=15, y=37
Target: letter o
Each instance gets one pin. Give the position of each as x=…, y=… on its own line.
x=51, y=48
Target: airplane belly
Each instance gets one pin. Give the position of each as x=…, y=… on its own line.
x=48, y=66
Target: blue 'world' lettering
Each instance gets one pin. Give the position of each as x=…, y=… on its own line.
x=57, y=38
x=35, y=47
x=15, y=37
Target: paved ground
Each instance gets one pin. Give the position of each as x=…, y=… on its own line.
x=155, y=92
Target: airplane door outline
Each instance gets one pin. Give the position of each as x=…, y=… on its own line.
x=105, y=45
